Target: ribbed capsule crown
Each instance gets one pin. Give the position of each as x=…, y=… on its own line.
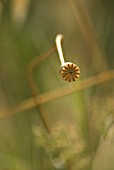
x=69, y=71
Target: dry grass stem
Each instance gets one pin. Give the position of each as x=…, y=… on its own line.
x=57, y=93
x=89, y=34
x=33, y=86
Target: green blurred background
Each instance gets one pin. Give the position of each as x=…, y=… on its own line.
x=27, y=29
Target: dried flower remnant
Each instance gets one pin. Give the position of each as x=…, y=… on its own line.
x=41, y=140
x=64, y=141
x=69, y=71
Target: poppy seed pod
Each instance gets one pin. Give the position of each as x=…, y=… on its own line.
x=69, y=71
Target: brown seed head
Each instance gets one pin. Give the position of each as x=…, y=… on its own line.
x=70, y=72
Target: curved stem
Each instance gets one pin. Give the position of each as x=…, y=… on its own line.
x=32, y=84
x=58, y=40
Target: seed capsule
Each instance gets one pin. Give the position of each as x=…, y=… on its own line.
x=69, y=71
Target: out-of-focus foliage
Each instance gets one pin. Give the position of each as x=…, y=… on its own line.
x=28, y=29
